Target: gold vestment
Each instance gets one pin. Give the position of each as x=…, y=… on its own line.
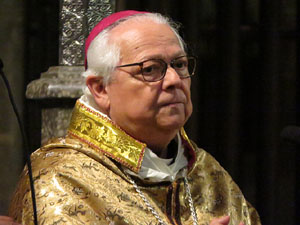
x=80, y=179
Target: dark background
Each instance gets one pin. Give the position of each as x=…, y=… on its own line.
x=245, y=92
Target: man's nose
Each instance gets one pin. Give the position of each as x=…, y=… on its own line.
x=172, y=78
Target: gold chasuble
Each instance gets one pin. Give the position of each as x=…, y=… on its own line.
x=81, y=179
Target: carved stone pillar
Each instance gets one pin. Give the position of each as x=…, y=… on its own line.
x=60, y=86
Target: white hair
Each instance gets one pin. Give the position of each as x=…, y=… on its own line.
x=103, y=56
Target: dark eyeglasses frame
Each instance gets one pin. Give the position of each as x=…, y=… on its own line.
x=140, y=64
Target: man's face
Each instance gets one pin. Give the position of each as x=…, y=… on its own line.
x=147, y=110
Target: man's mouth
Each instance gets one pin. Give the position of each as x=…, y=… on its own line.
x=172, y=103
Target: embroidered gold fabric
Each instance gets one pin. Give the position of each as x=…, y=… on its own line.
x=99, y=132
x=78, y=182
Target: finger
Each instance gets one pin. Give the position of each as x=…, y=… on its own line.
x=220, y=221
x=241, y=223
x=8, y=222
x=5, y=218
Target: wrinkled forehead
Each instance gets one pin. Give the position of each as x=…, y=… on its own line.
x=135, y=37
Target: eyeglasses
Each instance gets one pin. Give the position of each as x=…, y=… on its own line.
x=155, y=69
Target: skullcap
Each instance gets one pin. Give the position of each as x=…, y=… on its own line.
x=104, y=23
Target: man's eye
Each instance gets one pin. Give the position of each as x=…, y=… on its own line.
x=180, y=65
x=149, y=70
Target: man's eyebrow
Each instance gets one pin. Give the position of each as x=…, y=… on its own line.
x=161, y=56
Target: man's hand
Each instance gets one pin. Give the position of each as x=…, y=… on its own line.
x=5, y=220
x=222, y=221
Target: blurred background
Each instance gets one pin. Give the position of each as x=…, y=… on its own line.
x=245, y=92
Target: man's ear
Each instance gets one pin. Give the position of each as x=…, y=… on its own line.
x=98, y=90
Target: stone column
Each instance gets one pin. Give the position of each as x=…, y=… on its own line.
x=61, y=85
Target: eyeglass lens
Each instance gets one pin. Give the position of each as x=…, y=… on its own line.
x=155, y=69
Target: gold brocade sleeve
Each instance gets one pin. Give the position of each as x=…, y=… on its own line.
x=216, y=194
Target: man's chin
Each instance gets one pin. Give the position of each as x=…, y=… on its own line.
x=172, y=124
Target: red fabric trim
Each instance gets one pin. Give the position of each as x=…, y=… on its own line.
x=189, y=152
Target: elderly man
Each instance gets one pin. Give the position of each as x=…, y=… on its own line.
x=126, y=158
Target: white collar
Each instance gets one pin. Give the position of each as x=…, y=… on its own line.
x=158, y=169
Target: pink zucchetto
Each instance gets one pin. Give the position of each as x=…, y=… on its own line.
x=104, y=23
